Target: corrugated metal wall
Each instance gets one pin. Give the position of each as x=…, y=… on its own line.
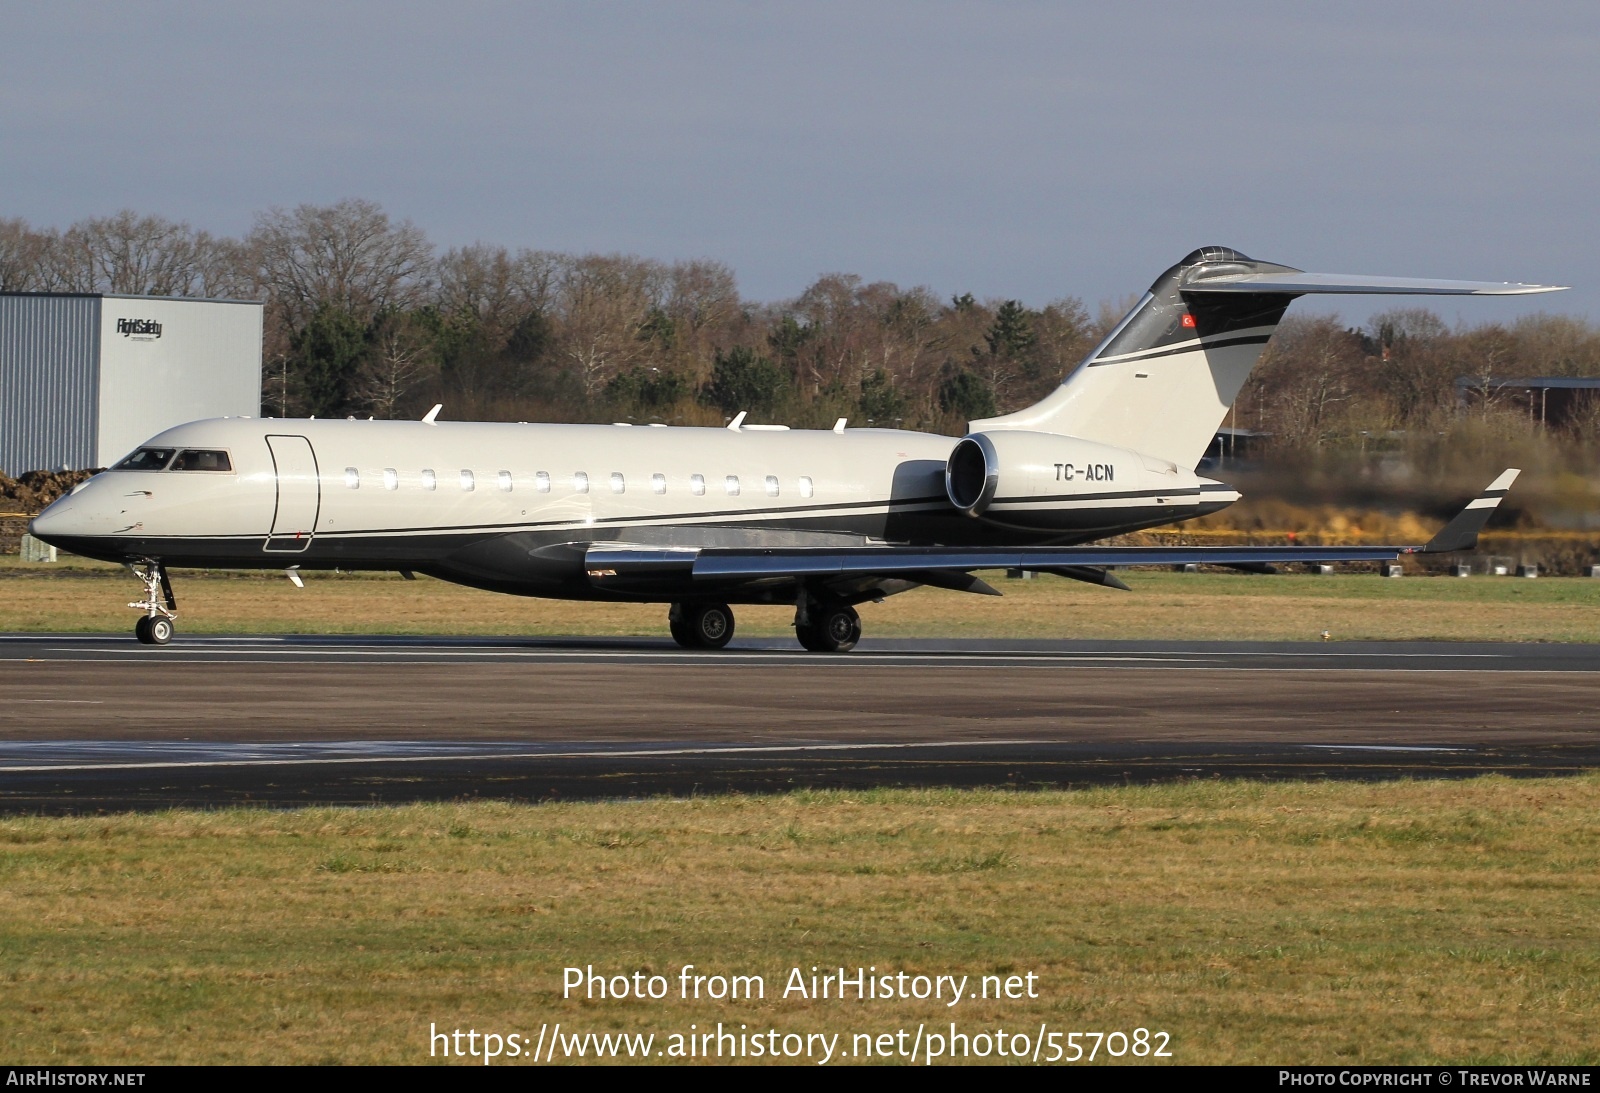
x=49, y=382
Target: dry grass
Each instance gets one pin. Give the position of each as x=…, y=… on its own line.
x=1405, y=922
x=1287, y=607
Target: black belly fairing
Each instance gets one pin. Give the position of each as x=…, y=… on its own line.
x=549, y=562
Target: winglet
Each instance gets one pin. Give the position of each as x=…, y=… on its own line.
x=1462, y=532
x=432, y=416
x=738, y=420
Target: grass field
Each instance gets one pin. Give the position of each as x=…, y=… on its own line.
x=1283, y=607
x=1406, y=922
x=1255, y=923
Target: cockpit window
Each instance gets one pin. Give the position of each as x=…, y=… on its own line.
x=191, y=459
x=146, y=459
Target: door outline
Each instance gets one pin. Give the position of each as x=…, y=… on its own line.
x=280, y=541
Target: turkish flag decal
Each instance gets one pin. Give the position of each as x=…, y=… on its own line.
x=1188, y=322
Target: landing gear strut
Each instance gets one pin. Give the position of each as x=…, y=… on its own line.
x=831, y=626
x=701, y=625
x=159, y=605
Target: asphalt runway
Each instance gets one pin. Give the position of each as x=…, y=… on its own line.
x=92, y=723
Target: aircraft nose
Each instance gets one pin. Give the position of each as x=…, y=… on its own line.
x=59, y=518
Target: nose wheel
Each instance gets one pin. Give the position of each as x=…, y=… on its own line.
x=153, y=630
x=160, y=606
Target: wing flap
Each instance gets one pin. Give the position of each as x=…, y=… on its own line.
x=729, y=565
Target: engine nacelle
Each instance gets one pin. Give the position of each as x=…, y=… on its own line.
x=1043, y=481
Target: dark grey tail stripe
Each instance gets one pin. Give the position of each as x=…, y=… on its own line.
x=1186, y=347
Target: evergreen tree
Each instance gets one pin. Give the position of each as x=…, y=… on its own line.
x=1011, y=334
x=327, y=354
x=880, y=403
x=744, y=380
x=967, y=395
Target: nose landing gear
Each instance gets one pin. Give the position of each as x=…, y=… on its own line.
x=155, y=626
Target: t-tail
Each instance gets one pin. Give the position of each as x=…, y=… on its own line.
x=1162, y=381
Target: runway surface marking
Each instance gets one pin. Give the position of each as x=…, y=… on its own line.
x=594, y=753
x=1378, y=747
x=909, y=661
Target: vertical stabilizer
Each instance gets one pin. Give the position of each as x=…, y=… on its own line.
x=1163, y=380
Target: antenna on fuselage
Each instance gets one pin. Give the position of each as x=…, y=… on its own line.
x=838, y=426
x=738, y=420
x=432, y=415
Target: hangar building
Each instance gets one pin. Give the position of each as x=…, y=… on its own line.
x=85, y=378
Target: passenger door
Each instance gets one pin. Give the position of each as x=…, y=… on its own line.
x=294, y=520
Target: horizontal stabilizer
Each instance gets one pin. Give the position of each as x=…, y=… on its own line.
x=1462, y=532
x=1307, y=284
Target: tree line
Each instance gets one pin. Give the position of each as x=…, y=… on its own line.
x=365, y=316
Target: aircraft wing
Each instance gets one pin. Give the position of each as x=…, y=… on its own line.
x=950, y=567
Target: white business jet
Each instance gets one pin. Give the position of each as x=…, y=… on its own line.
x=701, y=518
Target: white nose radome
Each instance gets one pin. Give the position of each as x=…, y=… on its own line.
x=57, y=519
x=74, y=516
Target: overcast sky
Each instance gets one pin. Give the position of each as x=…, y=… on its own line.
x=1010, y=150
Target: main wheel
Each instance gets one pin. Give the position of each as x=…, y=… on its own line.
x=160, y=630
x=678, y=623
x=709, y=625
x=834, y=628
x=141, y=630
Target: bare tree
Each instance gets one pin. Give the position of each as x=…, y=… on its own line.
x=702, y=303
x=603, y=303
x=23, y=256
x=349, y=255
x=1307, y=380
x=133, y=254
x=479, y=281
x=401, y=360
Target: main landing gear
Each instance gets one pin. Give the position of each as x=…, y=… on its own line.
x=159, y=605
x=701, y=625
x=823, y=626
x=831, y=626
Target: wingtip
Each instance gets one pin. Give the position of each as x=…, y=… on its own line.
x=1507, y=476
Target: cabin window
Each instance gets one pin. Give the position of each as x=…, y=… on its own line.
x=731, y=483
x=772, y=485
x=503, y=480
x=352, y=478
x=466, y=481
x=580, y=482
x=618, y=484
x=430, y=481
x=192, y=460
x=658, y=483
x=391, y=478
x=805, y=486
x=146, y=459
x=697, y=485
x=541, y=482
